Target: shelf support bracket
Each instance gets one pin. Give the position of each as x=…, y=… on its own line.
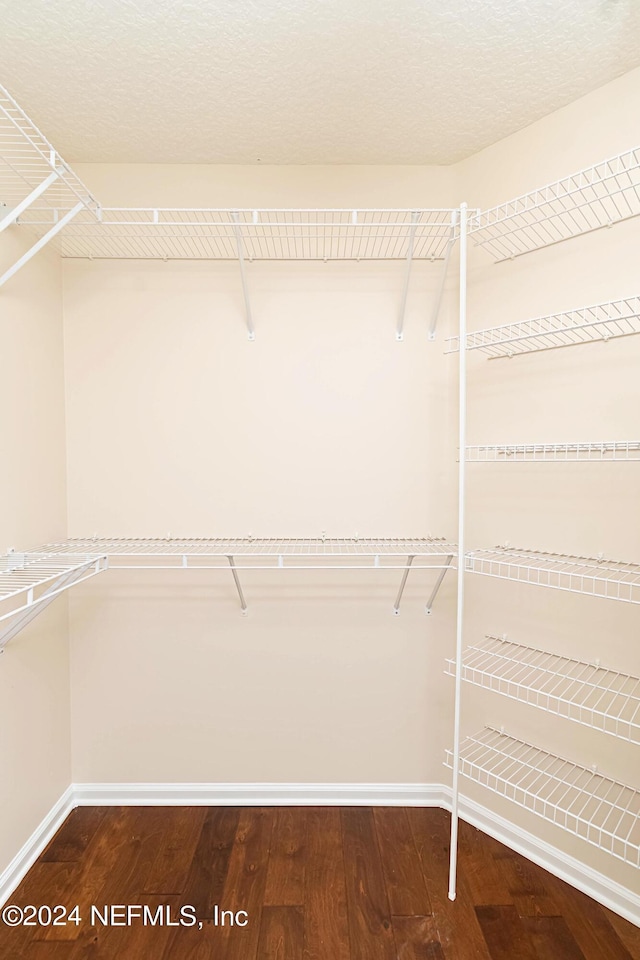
x=443, y=279
x=15, y=212
x=243, y=276
x=43, y=241
x=42, y=602
x=407, y=275
x=234, y=571
x=396, y=606
x=438, y=584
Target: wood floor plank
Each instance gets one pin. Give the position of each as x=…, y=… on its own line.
x=457, y=924
x=367, y=901
x=416, y=938
x=505, y=934
x=528, y=887
x=552, y=938
x=326, y=932
x=406, y=889
x=246, y=881
x=169, y=872
x=285, y=875
x=281, y=933
x=628, y=933
x=74, y=836
x=588, y=923
x=210, y=860
x=484, y=879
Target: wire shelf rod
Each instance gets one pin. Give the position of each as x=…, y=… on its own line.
x=587, y=693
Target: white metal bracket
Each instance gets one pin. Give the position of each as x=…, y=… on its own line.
x=396, y=606
x=15, y=212
x=443, y=278
x=243, y=275
x=234, y=571
x=43, y=241
x=415, y=216
x=437, y=585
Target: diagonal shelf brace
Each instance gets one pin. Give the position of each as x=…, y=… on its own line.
x=33, y=609
x=443, y=279
x=49, y=235
x=415, y=216
x=396, y=606
x=438, y=584
x=243, y=276
x=15, y=212
x=234, y=571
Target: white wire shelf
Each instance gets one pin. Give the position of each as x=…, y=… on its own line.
x=584, y=802
x=30, y=581
x=262, y=553
x=591, y=452
x=587, y=693
x=595, y=197
x=28, y=160
x=301, y=234
x=586, y=575
x=601, y=322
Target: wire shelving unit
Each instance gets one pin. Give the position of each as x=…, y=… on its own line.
x=610, y=579
x=587, y=693
x=594, y=324
x=606, y=451
x=287, y=234
x=582, y=801
x=595, y=197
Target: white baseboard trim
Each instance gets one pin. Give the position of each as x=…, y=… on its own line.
x=607, y=892
x=261, y=794
x=31, y=850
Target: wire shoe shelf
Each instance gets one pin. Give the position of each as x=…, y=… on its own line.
x=595, y=577
x=606, y=451
x=587, y=693
x=595, y=197
x=584, y=802
x=595, y=324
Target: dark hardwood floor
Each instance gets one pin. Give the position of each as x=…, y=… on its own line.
x=316, y=883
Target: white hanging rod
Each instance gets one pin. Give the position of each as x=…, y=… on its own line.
x=584, y=692
x=605, y=451
x=598, y=196
x=582, y=801
x=595, y=577
x=597, y=323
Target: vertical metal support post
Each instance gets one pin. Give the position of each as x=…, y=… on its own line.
x=243, y=276
x=41, y=243
x=407, y=275
x=462, y=445
x=443, y=278
x=396, y=606
x=438, y=584
x=15, y=212
x=243, y=603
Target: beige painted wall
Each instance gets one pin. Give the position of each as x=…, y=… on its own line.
x=34, y=668
x=177, y=423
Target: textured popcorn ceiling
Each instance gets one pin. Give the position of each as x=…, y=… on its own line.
x=304, y=81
